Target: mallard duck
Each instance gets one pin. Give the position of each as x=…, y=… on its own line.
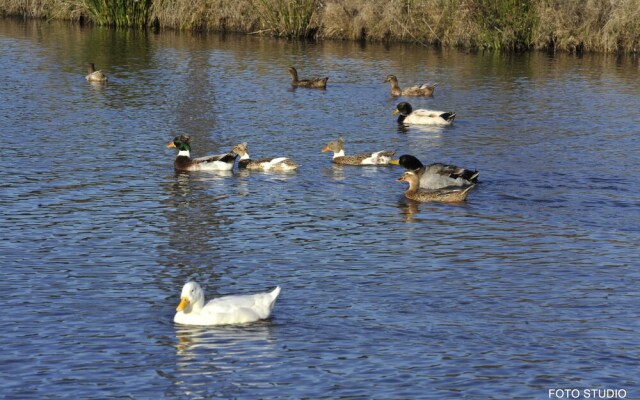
x=226, y=310
x=337, y=147
x=184, y=162
x=95, y=76
x=437, y=175
x=442, y=195
x=424, y=117
x=422, y=90
x=318, y=83
x=262, y=164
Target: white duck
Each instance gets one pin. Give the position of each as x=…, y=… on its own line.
x=226, y=310
x=422, y=117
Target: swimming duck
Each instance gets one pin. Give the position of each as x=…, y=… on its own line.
x=95, y=76
x=318, y=83
x=437, y=175
x=226, y=310
x=422, y=90
x=262, y=164
x=337, y=147
x=184, y=162
x=424, y=117
x=442, y=195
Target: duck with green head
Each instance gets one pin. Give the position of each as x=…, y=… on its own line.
x=437, y=175
x=184, y=162
x=422, y=117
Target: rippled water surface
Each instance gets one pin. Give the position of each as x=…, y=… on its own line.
x=532, y=284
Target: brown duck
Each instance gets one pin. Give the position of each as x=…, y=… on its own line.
x=95, y=76
x=317, y=83
x=440, y=195
x=279, y=164
x=337, y=147
x=422, y=90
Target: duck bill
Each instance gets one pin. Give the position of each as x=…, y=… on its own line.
x=171, y=145
x=325, y=149
x=400, y=179
x=395, y=112
x=183, y=304
x=394, y=162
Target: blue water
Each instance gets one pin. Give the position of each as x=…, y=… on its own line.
x=532, y=284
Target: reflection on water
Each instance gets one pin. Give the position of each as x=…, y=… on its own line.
x=228, y=339
x=531, y=283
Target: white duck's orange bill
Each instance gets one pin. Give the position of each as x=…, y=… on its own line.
x=183, y=304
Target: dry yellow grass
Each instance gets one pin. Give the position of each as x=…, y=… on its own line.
x=207, y=15
x=557, y=25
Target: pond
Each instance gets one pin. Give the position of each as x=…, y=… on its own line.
x=531, y=284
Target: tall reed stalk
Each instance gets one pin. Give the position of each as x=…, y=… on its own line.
x=505, y=24
x=119, y=13
x=290, y=18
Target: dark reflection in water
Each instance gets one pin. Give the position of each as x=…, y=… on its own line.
x=529, y=285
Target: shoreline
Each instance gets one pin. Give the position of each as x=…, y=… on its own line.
x=500, y=25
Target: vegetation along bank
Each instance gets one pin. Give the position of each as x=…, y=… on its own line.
x=609, y=26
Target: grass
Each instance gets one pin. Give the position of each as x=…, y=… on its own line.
x=290, y=18
x=611, y=26
x=119, y=13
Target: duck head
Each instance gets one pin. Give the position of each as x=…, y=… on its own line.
x=241, y=150
x=335, y=145
x=403, y=109
x=407, y=162
x=192, y=296
x=293, y=72
x=411, y=177
x=390, y=78
x=182, y=143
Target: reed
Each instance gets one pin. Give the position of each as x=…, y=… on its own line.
x=505, y=24
x=611, y=26
x=207, y=15
x=72, y=10
x=587, y=26
x=119, y=13
x=290, y=18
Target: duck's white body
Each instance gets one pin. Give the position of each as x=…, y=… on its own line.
x=429, y=117
x=227, y=310
x=280, y=164
x=220, y=162
x=381, y=157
